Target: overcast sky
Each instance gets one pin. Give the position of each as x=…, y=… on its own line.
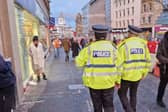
x=68, y=7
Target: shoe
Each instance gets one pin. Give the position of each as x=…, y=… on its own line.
x=44, y=76
x=38, y=79
x=161, y=104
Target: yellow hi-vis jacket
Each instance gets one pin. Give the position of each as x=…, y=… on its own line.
x=100, y=61
x=136, y=59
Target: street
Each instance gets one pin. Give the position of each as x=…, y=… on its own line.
x=63, y=92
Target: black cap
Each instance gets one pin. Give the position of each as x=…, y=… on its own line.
x=35, y=38
x=134, y=29
x=100, y=28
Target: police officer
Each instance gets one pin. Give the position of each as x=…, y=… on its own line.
x=100, y=69
x=136, y=63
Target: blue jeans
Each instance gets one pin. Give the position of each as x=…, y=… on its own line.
x=56, y=50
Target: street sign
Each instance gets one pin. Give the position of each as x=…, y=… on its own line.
x=52, y=21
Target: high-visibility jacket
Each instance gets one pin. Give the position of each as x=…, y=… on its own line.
x=136, y=59
x=100, y=61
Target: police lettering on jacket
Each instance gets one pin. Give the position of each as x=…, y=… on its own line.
x=98, y=54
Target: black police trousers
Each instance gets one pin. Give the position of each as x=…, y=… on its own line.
x=7, y=99
x=102, y=100
x=128, y=105
x=162, y=86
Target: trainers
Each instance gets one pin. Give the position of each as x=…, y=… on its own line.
x=161, y=104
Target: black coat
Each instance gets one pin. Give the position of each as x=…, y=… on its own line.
x=162, y=56
x=7, y=78
x=75, y=49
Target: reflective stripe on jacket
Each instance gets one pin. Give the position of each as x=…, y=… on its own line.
x=135, y=57
x=100, y=61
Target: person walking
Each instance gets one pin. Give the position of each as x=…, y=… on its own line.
x=136, y=58
x=100, y=61
x=83, y=42
x=75, y=48
x=66, y=44
x=162, y=56
x=7, y=86
x=57, y=45
x=38, y=58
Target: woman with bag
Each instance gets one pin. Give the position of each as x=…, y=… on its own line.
x=7, y=86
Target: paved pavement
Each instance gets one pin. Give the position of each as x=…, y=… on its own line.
x=63, y=92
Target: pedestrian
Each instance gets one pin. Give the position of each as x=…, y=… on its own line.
x=136, y=64
x=75, y=48
x=162, y=56
x=83, y=42
x=66, y=44
x=57, y=45
x=7, y=86
x=100, y=61
x=37, y=54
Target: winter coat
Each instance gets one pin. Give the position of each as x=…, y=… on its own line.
x=66, y=44
x=37, y=54
x=7, y=78
x=75, y=49
x=162, y=56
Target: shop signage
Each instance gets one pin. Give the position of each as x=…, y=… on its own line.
x=33, y=7
x=161, y=28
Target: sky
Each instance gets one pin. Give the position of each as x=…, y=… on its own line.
x=69, y=8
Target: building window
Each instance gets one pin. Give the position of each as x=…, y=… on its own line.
x=120, y=2
x=124, y=2
x=128, y=11
x=123, y=23
x=143, y=19
x=128, y=22
x=128, y=1
x=150, y=6
x=145, y=8
x=116, y=3
x=149, y=19
x=117, y=24
x=120, y=24
x=124, y=12
x=132, y=0
x=120, y=14
x=132, y=21
x=132, y=10
x=116, y=14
